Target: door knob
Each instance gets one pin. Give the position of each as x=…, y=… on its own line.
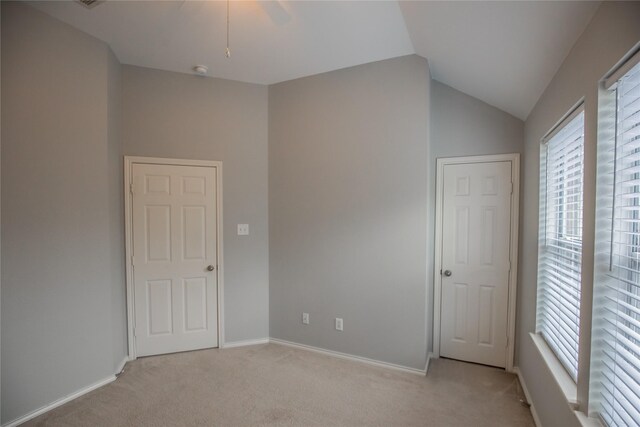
x=447, y=273
x=211, y=268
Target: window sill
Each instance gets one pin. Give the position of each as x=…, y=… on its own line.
x=562, y=378
x=588, y=421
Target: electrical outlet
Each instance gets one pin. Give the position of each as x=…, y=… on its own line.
x=243, y=229
x=305, y=318
x=338, y=324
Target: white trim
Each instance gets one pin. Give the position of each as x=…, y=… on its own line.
x=573, y=112
x=584, y=420
x=244, y=343
x=527, y=395
x=128, y=228
x=348, y=356
x=128, y=164
x=557, y=370
x=121, y=366
x=428, y=294
x=426, y=365
x=513, y=247
x=622, y=67
x=513, y=257
x=176, y=162
x=59, y=402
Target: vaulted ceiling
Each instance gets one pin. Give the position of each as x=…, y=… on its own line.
x=504, y=53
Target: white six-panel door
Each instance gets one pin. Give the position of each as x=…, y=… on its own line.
x=174, y=258
x=476, y=226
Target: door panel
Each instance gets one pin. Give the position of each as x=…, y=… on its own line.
x=461, y=231
x=461, y=309
x=485, y=310
x=159, y=307
x=193, y=232
x=476, y=226
x=174, y=241
x=195, y=307
x=158, y=232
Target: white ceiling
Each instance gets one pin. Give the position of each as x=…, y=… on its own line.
x=503, y=53
x=302, y=39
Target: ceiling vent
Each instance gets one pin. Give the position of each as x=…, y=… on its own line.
x=89, y=4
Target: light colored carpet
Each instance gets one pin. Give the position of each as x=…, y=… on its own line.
x=270, y=384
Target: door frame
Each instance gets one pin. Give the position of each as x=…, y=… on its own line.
x=514, y=158
x=129, y=161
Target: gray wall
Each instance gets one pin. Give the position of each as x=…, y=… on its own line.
x=465, y=126
x=115, y=205
x=176, y=115
x=0, y=217
x=613, y=31
x=62, y=279
x=348, y=209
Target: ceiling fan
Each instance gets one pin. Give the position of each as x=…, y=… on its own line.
x=273, y=8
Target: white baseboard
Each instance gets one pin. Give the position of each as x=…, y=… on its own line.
x=534, y=414
x=120, y=367
x=349, y=356
x=426, y=366
x=243, y=343
x=59, y=402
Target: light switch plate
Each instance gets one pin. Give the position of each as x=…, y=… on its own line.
x=243, y=229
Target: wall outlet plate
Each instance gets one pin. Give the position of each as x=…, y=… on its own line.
x=243, y=229
x=339, y=324
x=305, y=318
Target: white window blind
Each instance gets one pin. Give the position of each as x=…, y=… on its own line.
x=560, y=245
x=615, y=370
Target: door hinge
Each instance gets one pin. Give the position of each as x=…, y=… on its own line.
x=131, y=188
x=511, y=192
x=135, y=334
x=133, y=261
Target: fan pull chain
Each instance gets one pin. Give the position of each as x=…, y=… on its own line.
x=227, y=51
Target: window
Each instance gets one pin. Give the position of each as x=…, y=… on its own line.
x=615, y=370
x=560, y=231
